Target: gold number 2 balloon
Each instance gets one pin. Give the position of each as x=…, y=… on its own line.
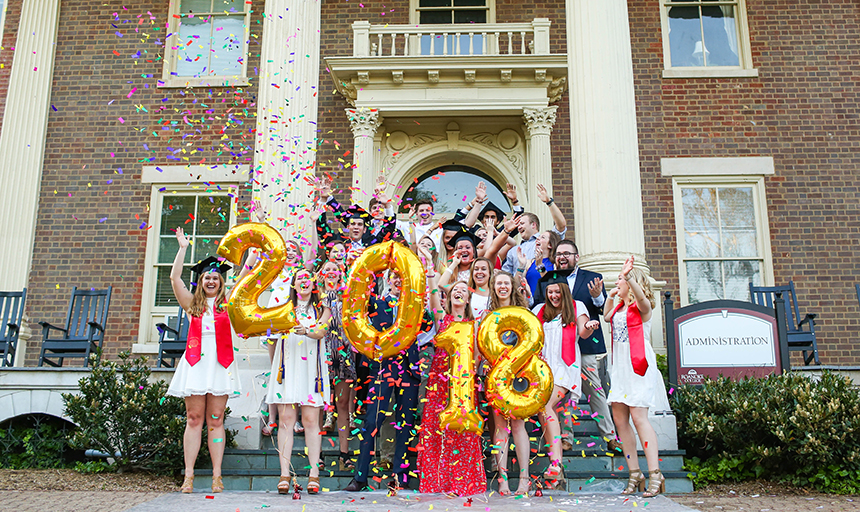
x=246, y=315
x=410, y=307
x=520, y=382
x=461, y=414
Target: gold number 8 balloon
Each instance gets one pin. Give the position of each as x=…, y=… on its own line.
x=248, y=318
x=520, y=382
x=410, y=307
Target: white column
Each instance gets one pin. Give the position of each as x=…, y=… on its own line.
x=285, y=153
x=538, y=124
x=364, y=122
x=606, y=188
x=22, y=141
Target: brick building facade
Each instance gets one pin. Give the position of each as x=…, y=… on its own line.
x=109, y=119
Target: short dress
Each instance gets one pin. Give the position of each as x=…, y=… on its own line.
x=340, y=351
x=305, y=380
x=627, y=387
x=567, y=377
x=280, y=295
x=207, y=376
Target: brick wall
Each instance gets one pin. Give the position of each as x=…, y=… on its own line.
x=802, y=110
x=92, y=202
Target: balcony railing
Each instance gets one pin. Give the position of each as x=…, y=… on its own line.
x=451, y=40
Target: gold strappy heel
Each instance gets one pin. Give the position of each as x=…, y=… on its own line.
x=656, y=485
x=635, y=483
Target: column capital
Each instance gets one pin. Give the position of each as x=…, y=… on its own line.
x=363, y=121
x=539, y=121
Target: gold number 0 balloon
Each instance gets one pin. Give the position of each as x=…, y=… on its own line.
x=410, y=307
x=461, y=413
x=246, y=315
x=515, y=365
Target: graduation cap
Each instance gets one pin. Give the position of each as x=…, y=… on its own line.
x=210, y=264
x=554, y=277
x=490, y=207
x=357, y=212
x=465, y=234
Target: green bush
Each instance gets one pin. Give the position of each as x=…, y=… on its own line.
x=787, y=428
x=35, y=441
x=120, y=410
x=92, y=467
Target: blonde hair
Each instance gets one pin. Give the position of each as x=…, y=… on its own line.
x=198, y=302
x=473, y=286
x=517, y=297
x=641, y=279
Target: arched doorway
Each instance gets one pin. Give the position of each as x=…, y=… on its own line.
x=451, y=187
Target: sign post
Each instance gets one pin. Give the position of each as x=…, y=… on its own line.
x=724, y=338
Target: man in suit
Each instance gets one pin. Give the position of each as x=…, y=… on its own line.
x=398, y=377
x=587, y=287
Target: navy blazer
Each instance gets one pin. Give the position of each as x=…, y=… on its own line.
x=381, y=315
x=595, y=344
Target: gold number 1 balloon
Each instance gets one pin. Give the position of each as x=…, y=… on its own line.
x=461, y=414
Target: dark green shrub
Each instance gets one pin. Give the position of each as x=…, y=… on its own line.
x=35, y=441
x=787, y=428
x=120, y=410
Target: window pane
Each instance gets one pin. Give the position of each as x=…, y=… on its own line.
x=193, y=59
x=228, y=6
x=163, y=291
x=737, y=215
x=205, y=247
x=196, y=6
x=176, y=210
x=436, y=18
x=448, y=186
x=227, y=46
x=739, y=274
x=167, y=249
x=434, y=3
x=721, y=38
x=477, y=16
x=459, y=3
x=213, y=215
x=701, y=227
x=704, y=281
x=685, y=37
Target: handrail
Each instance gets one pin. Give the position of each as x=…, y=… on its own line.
x=451, y=40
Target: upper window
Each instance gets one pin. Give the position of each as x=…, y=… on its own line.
x=705, y=38
x=722, y=231
x=2, y=21
x=448, y=12
x=207, y=43
x=451, y=188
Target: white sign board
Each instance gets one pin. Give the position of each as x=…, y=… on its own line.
x=726, y=339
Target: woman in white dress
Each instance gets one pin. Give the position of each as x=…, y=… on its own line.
x=206, y=376
x=299, y=377
x=563, y=319
x=636, y=381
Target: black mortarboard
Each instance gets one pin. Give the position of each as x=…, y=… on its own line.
x=554, y=277
x=490, y=207
x=357, y=212
x=210, y=264
x=453, y=225
x=465, y=234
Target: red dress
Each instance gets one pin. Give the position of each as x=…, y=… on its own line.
x=449, y=462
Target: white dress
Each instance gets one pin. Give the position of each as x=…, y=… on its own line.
x=568, y=377
x=305, y=379
x=627, y=387
x=280, y=295
x=207, y=376
x=479, y=305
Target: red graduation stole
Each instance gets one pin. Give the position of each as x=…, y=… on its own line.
x=568, y=338
x=223, y=339
x=636, y=334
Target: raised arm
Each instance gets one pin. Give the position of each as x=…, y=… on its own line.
x=449, y=275
x=183, y=296
x=642, y=302
x=435, y=300
x=475, y=205
x=555, y=212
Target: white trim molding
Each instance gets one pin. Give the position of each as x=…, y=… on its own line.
x=717, y=166
x=195, y=174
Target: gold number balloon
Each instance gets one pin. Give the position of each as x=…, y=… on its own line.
x=520, y=382
x=410, y=306
x=246, y=315
x=461, y=414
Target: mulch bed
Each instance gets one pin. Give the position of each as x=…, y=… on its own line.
x=69, y=480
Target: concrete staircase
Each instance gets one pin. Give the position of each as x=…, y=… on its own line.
x=586, y=465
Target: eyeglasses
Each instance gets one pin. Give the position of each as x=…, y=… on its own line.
x=566, y=254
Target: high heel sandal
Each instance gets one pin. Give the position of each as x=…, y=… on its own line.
x=656, y=484
x=313, y=485
x=284, y=485
x=503, y=480
x=345, y=463
x=635, y=483
x=187, y=485
x=217, y=484
x=524, y=477
x=553, y=471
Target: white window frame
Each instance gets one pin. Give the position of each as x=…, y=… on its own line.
x=721, y=172
x=745, y=69
x=415, y=12
x=171, y=56
x=167, y=180
x=3, y=7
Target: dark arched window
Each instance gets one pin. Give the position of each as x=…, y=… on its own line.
x=451, y=187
